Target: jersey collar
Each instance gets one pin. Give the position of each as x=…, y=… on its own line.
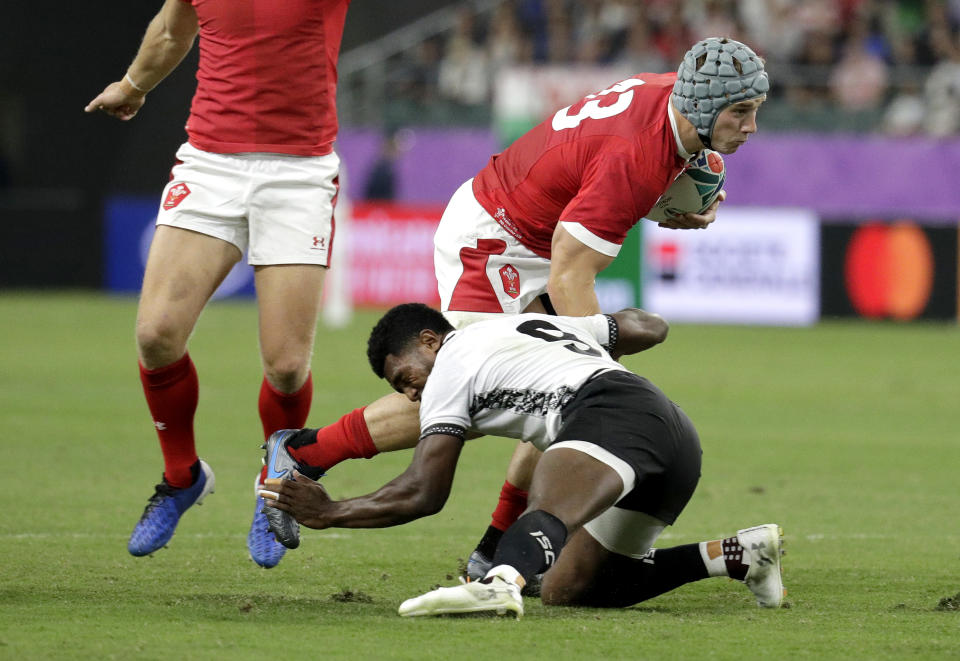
x=684, y=154
x=446, y=337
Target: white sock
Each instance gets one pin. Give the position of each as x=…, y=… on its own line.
x=507, y=573
x=712, y=554
x=725, y=557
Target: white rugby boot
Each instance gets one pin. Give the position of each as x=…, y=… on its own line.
x=497, y=593
x=478, y=565
x=762, y=548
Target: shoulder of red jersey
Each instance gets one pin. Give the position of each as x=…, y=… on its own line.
x=658, y=79
x=627, y=110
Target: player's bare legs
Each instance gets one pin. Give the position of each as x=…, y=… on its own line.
x=183, y=270
x=569, y=488
x=573, y=486
x=289, y=299
x=575, y=571
x=394, y=422
x=522, y=464
x=288, y=296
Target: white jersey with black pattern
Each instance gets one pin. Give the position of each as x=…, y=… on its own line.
x=511, y=376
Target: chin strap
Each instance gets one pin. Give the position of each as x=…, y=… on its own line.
x=705, y=139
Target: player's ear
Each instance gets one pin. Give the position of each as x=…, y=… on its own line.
x=430, y=339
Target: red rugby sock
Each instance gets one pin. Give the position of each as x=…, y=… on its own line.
x=347, y=438
x=513, y=502
x=172, y=393
x=280, y=410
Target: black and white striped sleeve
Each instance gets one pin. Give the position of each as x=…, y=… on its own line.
x=446, y=429
x=613, y=333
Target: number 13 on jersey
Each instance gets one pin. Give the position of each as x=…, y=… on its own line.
x=592, y=110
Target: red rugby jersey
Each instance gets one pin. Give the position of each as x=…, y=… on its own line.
x=601, y=163
x=267, y=78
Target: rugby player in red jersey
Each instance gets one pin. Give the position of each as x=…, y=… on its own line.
x=531, y=231
x=257, y=174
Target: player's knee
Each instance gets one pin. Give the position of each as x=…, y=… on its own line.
x=552, y=595
x=582, y=591
x=159, y=343
x=286, y=374
x=562, y=590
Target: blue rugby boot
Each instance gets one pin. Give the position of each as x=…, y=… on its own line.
x=281, y=465
x=263, y=546
x=164, y=509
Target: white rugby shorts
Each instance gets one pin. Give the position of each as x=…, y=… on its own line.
x=482, y=270
x=276, y=207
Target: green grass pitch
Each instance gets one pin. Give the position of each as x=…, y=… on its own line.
x=847, y=434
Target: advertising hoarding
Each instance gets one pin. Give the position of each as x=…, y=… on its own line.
x=128, y=228
x=752, y=266
x=889, y=269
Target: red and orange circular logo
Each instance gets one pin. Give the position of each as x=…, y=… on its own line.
x=889, y=270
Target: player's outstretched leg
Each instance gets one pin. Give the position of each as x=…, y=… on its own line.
x=498, y=593
x=587, y=574
x=165, y=507
x=752, y=557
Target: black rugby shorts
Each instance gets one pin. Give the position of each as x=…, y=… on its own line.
x=631, y=418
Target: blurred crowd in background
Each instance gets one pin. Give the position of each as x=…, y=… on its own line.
x=854, y=65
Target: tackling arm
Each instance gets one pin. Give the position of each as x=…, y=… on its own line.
x=419, y=491
x=638, y=330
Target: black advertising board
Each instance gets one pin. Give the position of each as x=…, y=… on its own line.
x=889, y=269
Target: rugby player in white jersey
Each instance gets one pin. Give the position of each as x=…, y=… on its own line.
x=620, y=460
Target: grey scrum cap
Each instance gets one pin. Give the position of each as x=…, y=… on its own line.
x=728, y=72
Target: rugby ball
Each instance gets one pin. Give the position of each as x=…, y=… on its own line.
x=694, y=190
